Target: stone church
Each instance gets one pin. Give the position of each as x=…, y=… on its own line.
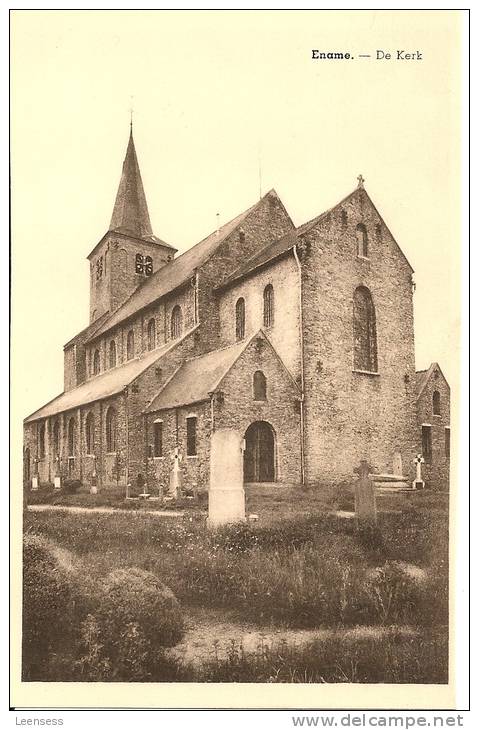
x=301, y=338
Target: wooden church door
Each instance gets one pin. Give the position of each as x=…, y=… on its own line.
x=259, y=453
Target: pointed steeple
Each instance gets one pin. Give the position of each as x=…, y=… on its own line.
x=130, y=214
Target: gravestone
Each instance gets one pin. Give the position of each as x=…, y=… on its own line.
x=365, y=495
x=397, y=464
x=94, y=479
x=35, y=476
x=226, y=498
x=418, y=483
x=176, y=475
x=57, y=482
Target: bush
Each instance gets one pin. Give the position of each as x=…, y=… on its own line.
x=71, y=486
x=136, y=616
x=136, y=596
x=47, y=604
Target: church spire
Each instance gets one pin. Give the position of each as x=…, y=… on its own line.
x=130, y=214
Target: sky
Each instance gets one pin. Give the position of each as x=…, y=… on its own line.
x=217, y=96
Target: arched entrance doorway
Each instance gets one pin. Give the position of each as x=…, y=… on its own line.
x=259, y=455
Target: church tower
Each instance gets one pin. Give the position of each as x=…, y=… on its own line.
x=129, y=252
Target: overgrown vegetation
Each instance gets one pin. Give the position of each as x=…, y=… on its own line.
x=312, y=571
x=395, y=657
x=77, y=629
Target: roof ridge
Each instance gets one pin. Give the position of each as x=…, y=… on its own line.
x=216, y=349
x=157, y=275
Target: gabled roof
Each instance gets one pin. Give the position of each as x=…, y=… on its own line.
x=176, y=272
x=266, y=255
x=88, y=331
x=423, y=377
x=105, y=385
x=198, y=377
x=282, y=246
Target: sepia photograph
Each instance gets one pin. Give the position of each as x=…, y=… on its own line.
x=236, y=328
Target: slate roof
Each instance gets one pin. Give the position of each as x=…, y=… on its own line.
x=282, y=246
x=196, y=378
x=266, y=255
x=175, y=273
x=89, y=330
x=130, y=213
x=102, y=386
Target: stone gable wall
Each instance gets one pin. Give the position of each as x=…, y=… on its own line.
x=349, y=415
x=284, y=333
x=436, y=473
x=265, y=224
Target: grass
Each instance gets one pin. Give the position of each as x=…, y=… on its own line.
x=310, y=569
x=113, y=497
x=394, y=658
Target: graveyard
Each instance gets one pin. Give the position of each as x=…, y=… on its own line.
x=337, y=583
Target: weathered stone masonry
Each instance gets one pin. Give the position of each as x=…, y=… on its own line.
x=334, y=356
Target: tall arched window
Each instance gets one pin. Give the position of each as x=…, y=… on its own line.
x=362, y=240
x=176, y=322
x=436, y=403
x=90, y=434
x=364, y=326
x=259, y=385
x=268, y=306
x=111, y=430
x=130, y=345
x=96, y=362
x=112, y=354
x=56, y=438
x=151, y=334
x=41, y=441
x=71, y=437
x=240, y=319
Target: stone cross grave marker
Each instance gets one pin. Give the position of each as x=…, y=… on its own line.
x=364, y=494
x=418, y=483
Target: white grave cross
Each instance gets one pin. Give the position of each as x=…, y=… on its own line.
x=418, y=483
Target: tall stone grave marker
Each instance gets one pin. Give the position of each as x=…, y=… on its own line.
x=57, y=482
x=397, y=464
x=226, y=498
x=365, y=495
x=176, y=476
x=35, y=479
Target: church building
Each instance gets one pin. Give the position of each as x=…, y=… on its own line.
x=300, y=338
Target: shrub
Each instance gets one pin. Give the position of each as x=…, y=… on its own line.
x=71, y=486
x=135, y=617
x=134, y=596
x=47, y=604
